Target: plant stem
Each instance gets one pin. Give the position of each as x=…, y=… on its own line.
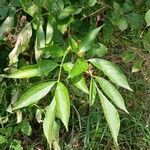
x=61, y=65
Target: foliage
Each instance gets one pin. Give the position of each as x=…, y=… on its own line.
x=58, y=52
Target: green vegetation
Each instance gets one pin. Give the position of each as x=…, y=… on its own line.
x=74, y=74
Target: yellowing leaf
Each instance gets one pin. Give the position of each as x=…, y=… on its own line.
x=7, y=25
x=33, y=95
x=62, y=103
x=21, y=44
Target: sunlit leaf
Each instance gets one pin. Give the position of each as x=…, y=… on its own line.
x=146, y=40
x=79, y=80
x=112, y=93
x=79, y=67
x=62, y=103
x=88, y=41
x=111, y=115
x=26, y=72
x=80, y=83
x=69, y=10
x=49, y=120
x=33, y=95
x=74, y=45
x=122, y=24
x=92, y=94
x=49, y=31
x=91, y=3
x=137, y=65
x=40, y=41
x=147, y=17
x=112, y=71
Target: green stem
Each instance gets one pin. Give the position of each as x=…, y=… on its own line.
x=61, y=65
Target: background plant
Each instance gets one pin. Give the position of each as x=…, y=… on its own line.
x=62, y=54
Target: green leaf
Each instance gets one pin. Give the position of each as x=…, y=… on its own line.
x=2, y=139
x=92, y=95
x=16, y=145
x=43, y=67
x=79, y=67
x=147, y=17
x=128, y=6
x=40, y=36
x=80, y=83
x=90, y=3
x=74, y=45
x=30, y=7
x=108, y=31
x=46, y=66
x=7, y=25
x=26, y=128
x=49, y=31
x=99, y=50
x=128, y=56
x=111, y=115
x=112, y=93
x=112, y=71
x=49, y=120
x=3, y=9
x=68, y=66
x=33, y=95
x=64, y=24
x=53, y=50
x=40, y=41
x=137, y=65
x=21, y=44
x=79, y=80
x=146, y=40
x=122, y=24
x=26, y=72
x=69, y=10
x=117, y=7
x=88, y=41
x=136, y=20
x=62, y=103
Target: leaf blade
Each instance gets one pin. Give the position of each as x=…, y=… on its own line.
x=62, y=103
x=79, y=67
x=21, y=44
x=88, y=41
x=111, y=115
x=112, y=71
x=33, y=95
x=49, y=120
x=112, y=93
